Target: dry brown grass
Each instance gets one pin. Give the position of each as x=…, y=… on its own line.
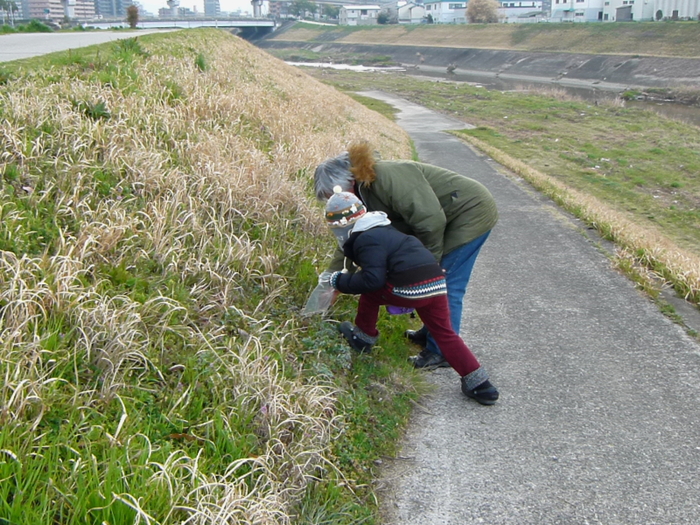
x=653, y=39
x=196, y=158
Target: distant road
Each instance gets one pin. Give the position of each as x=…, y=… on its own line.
x=26, y=45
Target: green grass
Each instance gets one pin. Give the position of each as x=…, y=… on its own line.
x=378, y=394
x=152, y=351
x=33, y=26
x=380, y=107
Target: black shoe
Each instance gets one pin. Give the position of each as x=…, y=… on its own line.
x=428, y=360
x=485, y=393
x=419, y=337
x=357, y=344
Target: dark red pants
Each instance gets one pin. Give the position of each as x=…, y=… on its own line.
x=435, y=314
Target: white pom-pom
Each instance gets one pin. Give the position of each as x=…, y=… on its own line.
x=337, y=189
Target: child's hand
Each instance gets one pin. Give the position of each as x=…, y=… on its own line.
x=325, y=277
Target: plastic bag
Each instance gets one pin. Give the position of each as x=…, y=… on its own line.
x=322, y=297
x=398, y=310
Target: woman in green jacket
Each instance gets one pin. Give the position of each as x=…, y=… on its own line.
x=451, y=214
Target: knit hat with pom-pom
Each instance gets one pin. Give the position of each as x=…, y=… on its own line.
x=342, y=211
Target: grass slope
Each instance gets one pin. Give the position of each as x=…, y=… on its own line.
x=678, y=39
x=158, y=238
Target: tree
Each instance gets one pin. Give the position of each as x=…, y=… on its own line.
x=383, y=18
x=132, y=16
x=300, y=8
x=482, y=11
x=331, y=11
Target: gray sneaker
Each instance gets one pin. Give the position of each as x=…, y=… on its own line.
x=485, y=393
x=419, y=337
x=356, y=343
x=428, y=360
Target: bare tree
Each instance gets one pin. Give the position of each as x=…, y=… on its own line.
x=132, y=16
x=482, y=11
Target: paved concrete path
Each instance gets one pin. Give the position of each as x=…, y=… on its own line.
x=599, y=416
x=26, y=45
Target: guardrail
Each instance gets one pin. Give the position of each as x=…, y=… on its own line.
x=184, y=23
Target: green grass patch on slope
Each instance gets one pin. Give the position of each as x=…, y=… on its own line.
x=380, y=107
x=158, y=240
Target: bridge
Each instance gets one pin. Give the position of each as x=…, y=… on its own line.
x=246, y=27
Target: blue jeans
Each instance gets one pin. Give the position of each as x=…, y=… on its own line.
x=458, y=266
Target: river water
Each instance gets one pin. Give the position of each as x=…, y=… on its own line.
x=591, y=93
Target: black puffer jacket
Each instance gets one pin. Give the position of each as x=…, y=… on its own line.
x=385, y=255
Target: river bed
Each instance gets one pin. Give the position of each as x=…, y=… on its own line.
x=586, y=91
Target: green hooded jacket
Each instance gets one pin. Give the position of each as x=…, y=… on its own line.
x=444, y=209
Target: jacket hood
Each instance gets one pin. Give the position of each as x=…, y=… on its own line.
x=362, y=162
x=370, y=220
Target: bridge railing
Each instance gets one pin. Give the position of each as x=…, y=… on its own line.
x=185, y=23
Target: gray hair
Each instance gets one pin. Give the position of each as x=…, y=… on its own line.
x=333, y=172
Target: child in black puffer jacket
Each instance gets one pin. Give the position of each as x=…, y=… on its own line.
x=396, y=269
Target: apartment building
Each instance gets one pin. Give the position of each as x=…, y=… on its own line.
x=57, y=10
x=112, y=8
x=446, y=12
x=358, y=15
x=212, y=8
x=577, y=11
x=521, y=11
x=630, y=10
x=410, y=13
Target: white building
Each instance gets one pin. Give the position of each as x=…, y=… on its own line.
x=628, y=10
x=358, y=15
x=212, y=8
x=520, y=12
x=410, y=13
x=113, y=8
x=676, y=9
x=446, y=12
x=577, y=10
x=57, y=10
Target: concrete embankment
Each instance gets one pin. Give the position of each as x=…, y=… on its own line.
x=603, y=71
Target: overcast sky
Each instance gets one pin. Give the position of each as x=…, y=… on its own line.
x=152, y=6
